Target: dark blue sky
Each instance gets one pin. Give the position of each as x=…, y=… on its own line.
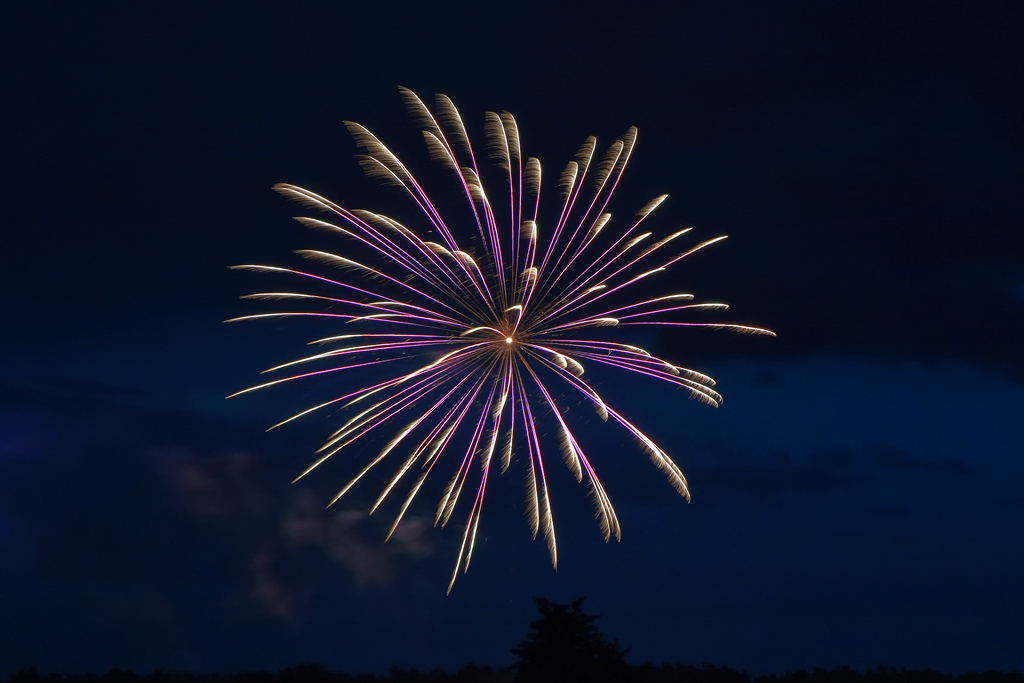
x=856, y=500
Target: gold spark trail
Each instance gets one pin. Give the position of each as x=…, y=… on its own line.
x=477, y=334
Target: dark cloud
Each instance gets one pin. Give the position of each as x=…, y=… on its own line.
x=274, y=524
x=764, y=478
x=768, y=377
x=268, y=590
x=847, y=174
x=896, y=511
x=898, y=461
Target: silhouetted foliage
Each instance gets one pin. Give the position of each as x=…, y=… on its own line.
x=645, y=673
x=566, y=646
x=683, y=673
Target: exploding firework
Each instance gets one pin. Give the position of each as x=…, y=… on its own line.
x=484, y=330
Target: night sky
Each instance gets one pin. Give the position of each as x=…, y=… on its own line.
x=856, y=500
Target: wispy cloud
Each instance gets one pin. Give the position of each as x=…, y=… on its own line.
x=274, y=524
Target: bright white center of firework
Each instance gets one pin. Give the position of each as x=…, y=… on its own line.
x=508, y=340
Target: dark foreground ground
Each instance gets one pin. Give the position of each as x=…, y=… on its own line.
x=645, y=673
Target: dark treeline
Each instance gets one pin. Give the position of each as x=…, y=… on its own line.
x=563, y=646
x=644, y=673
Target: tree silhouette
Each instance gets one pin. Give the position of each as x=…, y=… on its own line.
x=565, y=646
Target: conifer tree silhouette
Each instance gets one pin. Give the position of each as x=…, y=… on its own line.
x=566, y=646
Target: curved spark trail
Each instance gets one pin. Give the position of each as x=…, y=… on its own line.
x=474, y=335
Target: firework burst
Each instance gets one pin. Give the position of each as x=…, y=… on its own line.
x=495, y=322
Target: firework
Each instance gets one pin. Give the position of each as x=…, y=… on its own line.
x=496, y=322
